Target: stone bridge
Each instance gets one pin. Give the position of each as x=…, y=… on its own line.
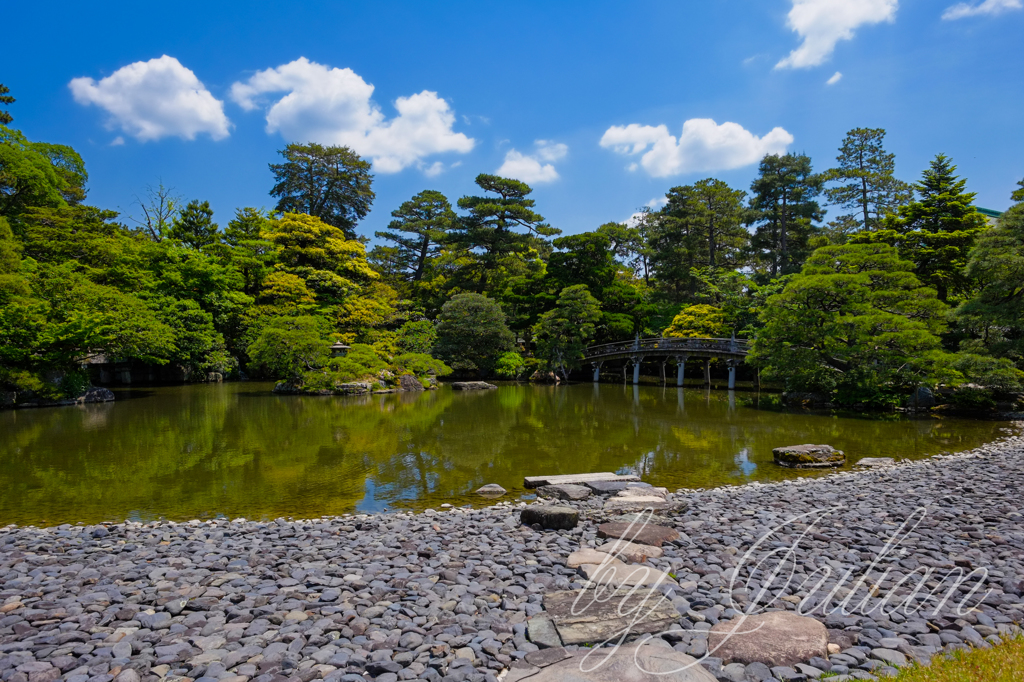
x=634, y=352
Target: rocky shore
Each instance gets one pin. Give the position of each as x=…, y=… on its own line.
x=451, y=594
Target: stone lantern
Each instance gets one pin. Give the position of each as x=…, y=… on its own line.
x=339, y=350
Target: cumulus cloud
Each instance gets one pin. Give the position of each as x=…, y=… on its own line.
x=962, y=10
x=702, y=146
x=823, y=23
x=155, y=99
x=654, y=204
x=334, y=106
x=530, y=168
x=836, y=77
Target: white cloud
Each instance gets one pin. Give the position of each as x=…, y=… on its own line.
x=530, y=168
x=990, y=7
x=654, y=204
x=702, y=146
x=836, y=77
x=433, y=170
x=333, y=106
x=155, y=99
x=117, y=141
x=823, y=23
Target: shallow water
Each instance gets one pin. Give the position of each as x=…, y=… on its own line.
x=235, y=449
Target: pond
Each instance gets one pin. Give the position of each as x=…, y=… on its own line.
x=235, y=449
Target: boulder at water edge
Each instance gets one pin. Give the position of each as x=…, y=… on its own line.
x=808, y=456
x=776, y=638
x=408, y=382
x=550, y=517
x=491, y=490
x=471, y=385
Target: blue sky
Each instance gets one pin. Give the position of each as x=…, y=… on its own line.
x=600, y=106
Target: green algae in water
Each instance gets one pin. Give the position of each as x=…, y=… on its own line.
x=235, y=449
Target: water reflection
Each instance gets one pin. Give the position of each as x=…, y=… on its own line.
x=237, y=450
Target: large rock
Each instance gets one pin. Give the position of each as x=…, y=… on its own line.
x=922, y=397
x=491, y=490
x=646, y=663
x=591, y=617
x=96, y=394
x=408, y=382
x=606, y=487
x=586, y=555
x=774, y=638
x=564, y=491
x=809, y=456
x=645, y=534
x=550, y=517
x=630, y=551
x=471, y=385
x=637, y=499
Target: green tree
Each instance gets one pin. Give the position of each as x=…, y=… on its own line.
x=289, y=346
x=471, y=333
x=491, y=229
x=193, y=226
x=38, y=174
x=510, y=366
x=331, y=183
x=866, y=180
x=995, y=313
x=783, y=210
x=5, y=98
x=417, y=336
x=420, y=226
x=714, y=213
x=936, y=231
x=563, y=332
x=697, y=321
x=249, y=251
x=856, y=324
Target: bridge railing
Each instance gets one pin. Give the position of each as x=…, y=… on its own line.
x=671, y=344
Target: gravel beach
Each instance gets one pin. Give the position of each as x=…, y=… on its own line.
x=447, y=594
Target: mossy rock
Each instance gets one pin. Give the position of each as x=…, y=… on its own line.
x=809, y=456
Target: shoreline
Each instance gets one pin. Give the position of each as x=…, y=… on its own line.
x=449, y=594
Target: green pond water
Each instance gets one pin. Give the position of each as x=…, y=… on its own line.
x=235, y=449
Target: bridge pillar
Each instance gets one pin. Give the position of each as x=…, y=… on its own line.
x=707, y=371
x=680, y=369
x=636, y=371
x=597, y=371
x=663, y=361
x=732, y=375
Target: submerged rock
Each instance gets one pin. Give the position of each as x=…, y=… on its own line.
x=809, y=456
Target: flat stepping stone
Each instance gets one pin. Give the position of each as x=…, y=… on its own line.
x=593, y=621
x=638, y=532
x=808, y=456
x=642, y=491
x=538, y=481
x=550, y=517
x=776, y=638
x=637, y=503
x=564, y=491
x=646, y=663
x=586, y=555
x=629, y=551
x=876, y=462
x=614, y=573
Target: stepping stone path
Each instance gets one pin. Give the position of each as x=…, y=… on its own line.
x=631, y=551
x=592, y=621
x=550, y=517
x=615, y=573
x=638, y=498
x=809, y=456
x=626, y=664
x=582, y=479
x=564, y=491
x=638, y=532
x=776, y=638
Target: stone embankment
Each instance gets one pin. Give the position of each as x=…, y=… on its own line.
x=456, y=594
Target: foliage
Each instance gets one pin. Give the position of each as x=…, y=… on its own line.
x=289, y=346
x=697, y=321
x=5, y=98
x=420, y=364
x=510, y=366
x=1000, y=663
x=330, y=183
x=783, y=211
x=417, y=336
x=37, y=174
x=937, y=231
x=471, y=333
x=564, y=331
x=420, y=226
x=360, y=362
x=865, y=172
x=159, y=210
x=856, y=324
x=193, y=226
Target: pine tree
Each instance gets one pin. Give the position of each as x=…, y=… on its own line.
x=784, y=210
x=194, y=226
x=5, y=116
x=866, y=172
x=420, y=226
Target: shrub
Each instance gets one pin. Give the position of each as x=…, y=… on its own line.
x=510, y=366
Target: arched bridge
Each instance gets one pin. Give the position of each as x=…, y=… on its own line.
x=733, y=351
